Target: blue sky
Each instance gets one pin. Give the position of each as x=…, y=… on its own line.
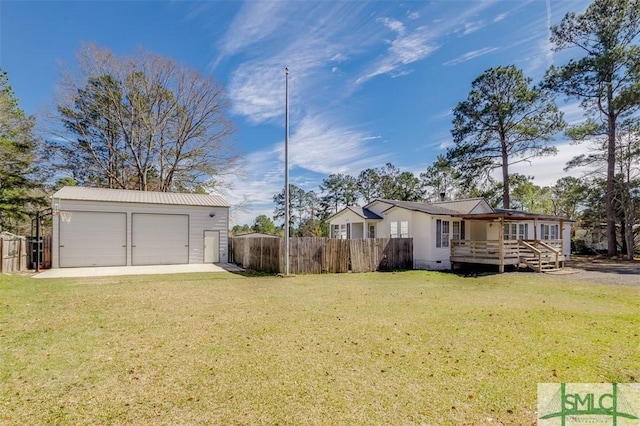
x=370, y=82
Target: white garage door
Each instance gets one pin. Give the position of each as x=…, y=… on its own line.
x=159, y=239
x=93, y=239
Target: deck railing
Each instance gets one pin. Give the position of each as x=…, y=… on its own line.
x=484, y=249
x=548, y=248
x=509, y=252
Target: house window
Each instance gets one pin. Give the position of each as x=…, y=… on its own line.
x=457, y=232
x=548, y=232
x=393, y=232
x=442, y=233
x=372, y=231
x=341, y=231
x=404, y=229
x=516, y=231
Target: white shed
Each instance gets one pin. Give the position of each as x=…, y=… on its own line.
x=114, y=227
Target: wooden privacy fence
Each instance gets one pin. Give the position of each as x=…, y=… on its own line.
x=312, y=255
x=13, y=252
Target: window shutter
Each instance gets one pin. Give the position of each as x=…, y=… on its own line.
x=438, y=233
x=462, y=233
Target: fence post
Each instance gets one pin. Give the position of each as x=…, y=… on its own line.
x=20, y=255
x=1, y=254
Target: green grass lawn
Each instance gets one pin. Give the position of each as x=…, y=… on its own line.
x=410, y=348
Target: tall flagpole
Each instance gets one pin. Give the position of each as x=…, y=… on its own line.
x=286, y=172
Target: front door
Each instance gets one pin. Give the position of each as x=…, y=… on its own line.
x=211, y=246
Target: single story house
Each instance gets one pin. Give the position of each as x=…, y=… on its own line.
x=595, y=239
x=114, y=227
x=447, y=233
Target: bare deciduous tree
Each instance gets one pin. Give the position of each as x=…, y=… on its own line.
x=142, y=122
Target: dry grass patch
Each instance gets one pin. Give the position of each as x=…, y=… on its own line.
x=403, y=348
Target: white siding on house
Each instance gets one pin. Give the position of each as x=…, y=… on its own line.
x=440, y=256
x=355, y=222
x=477, y=230
x=422, y=239
x=199, y=221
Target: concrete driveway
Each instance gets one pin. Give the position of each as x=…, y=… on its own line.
x=107, y=271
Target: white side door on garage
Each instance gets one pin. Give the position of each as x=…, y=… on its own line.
x=159, y=239
x=211, y=246
x=93, y=239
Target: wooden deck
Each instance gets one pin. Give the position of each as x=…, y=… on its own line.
x=538, y=255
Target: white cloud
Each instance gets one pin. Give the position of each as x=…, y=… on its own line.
x=445, y=144
x=546, y=171
x=501, y=17
x=256, y=21
x=471, y=27
x=257, y=91
x=393, y=25
x=471, y=55
x=403, y=50
x=573, y=113
x=318, y=144
x=322, y=145
x=313, y=41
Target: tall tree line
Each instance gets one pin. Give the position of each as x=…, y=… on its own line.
x=20, y=185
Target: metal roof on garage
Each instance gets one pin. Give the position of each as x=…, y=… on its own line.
x=144, y=197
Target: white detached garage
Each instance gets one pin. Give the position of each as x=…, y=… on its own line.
x=113, y=227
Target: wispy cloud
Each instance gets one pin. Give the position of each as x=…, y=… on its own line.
x=471, y=27
x=501, y=17
x=406, y=48
x=536, y=50
x=314, y=42
x=393, y=25
x=471, y=55
x=444, y=114
x=320, y=144
x=573, y=113
x=255, y=22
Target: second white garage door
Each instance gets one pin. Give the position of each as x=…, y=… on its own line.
x=159, y=239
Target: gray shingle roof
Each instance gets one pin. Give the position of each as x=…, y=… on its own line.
x=144, y=197
x=465, y=206
x=365, y=213
x=421, y=207
x=360, y=211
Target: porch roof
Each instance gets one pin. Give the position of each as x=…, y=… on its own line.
x=513, y=215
